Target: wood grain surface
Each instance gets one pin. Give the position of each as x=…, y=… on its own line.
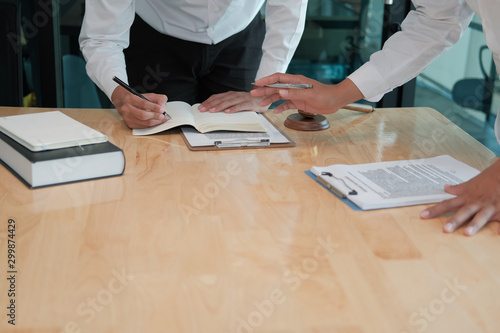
x=244, y=241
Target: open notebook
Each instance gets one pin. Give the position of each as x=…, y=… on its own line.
x=183, y=114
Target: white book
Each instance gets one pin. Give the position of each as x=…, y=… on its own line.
x=395, y=183
x=49, y=130
x=183, y=114
x=63, y=165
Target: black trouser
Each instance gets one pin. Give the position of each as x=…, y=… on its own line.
x=192, y=72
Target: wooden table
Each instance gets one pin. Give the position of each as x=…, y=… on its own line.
x=244, y=241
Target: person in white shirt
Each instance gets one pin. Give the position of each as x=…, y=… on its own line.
x=187, y=50
x=427, y=32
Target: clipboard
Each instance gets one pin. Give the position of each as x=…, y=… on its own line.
x=336, y=193
x=247, y=142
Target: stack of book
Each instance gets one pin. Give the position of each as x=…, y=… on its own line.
x=50, y=148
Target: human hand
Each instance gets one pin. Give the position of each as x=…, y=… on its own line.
x=477, y=202
x=320, y=99
x=233, y=101
x=138, y=112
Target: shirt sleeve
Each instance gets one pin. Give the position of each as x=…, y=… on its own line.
x=104, y=35
x=427, y=32
x=285, y=20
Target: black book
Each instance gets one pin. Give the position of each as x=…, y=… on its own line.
x=63, y=165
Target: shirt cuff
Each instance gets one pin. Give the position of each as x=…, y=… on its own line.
x=370, y=82
x=267, y=68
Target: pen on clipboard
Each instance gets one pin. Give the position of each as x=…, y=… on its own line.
x=133, y=91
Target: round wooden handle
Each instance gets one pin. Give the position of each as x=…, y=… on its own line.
x=359, y=107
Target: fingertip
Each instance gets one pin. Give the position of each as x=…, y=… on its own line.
x=425, y=214
x=284, y=92
x=448, y=228
x=259, y=82
x=470, y=231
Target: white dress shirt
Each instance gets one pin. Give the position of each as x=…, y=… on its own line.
x=106, y=26
x=427, y=32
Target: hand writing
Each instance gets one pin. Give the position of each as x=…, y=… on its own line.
x=137, y=112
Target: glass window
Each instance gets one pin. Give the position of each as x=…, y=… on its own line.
x=339, y=36
x=462, y=84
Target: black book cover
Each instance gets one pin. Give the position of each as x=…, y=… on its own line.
x=96, y=148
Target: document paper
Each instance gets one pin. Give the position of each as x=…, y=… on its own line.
x=396, y=183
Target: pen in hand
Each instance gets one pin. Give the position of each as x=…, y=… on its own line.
x=135, y=92
x=289, y=85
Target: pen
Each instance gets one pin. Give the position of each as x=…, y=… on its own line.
x=133, y=91
x=353, y=106
x=289, y=85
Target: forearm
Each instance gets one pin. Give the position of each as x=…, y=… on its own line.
x=426, y=33
x=347, y=93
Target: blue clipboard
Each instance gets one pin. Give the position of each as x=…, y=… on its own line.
x=344, y=200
